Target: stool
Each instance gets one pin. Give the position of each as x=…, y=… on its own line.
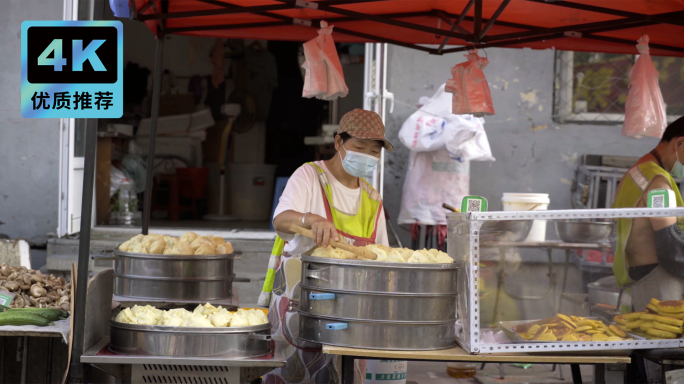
x=280, y=184
x=172, y=206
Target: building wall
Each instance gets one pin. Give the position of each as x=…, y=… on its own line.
x=29, y=148
x=533, y=153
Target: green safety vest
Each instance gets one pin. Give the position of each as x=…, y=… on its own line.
x=632, y=188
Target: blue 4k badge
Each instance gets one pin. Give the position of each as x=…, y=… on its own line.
x=72, y=69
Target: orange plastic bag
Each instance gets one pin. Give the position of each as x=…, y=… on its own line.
x=644, y=106
x=469, y=86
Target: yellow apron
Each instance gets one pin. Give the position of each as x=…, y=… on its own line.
x=305, y=361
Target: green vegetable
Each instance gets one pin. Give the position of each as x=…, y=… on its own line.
x=52, y=314
x=23, y=318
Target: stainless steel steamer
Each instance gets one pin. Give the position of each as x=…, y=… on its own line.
x=173, y=277
x=377, y=305
x=378, y=276
x=155, y=340
x=376, y=334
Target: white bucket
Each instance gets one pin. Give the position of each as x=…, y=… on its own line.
x=386, y=371
x=529, y=202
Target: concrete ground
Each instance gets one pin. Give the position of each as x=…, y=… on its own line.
x=420, y=372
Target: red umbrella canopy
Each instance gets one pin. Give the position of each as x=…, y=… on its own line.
x=610, y=26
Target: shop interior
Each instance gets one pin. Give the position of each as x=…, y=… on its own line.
x=231, y=101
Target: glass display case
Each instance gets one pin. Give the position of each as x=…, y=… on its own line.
x=521, y=296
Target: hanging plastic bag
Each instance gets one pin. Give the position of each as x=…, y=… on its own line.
x=115, y=179
x=424, y=129
x=469, y=87
x=432, y=178
x=135, y=169
x=468, y=140
x=324, y=78
x=644, y=107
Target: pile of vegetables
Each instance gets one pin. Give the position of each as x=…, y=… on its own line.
x=188, y=244
x=33, y=289
x=32, y=316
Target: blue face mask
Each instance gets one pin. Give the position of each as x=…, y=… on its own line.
x=358, y=164
x=678, y=169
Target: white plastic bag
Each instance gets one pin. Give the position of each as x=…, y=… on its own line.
x=423, y=131
x=432, y=178
x=467, y=141
x=644, y=107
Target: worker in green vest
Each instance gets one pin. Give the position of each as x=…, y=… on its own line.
x=649, y=252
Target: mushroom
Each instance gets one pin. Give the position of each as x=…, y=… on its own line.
x=4, y=270
x=54, y=296
x=14, y=269
x=27, y=279
x=33, y=301
x=11, y=285
x=23, y=270
x=36, y=278
x=66, y=307
x=12, y=276
x=61, y=280
x=37, y=290
x=18, y=302
x=24, y=287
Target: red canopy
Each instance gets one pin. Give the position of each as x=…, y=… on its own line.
x=610, y=26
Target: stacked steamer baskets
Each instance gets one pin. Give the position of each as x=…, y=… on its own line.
x=181, y=281
x=377, y=305
x=174, y=278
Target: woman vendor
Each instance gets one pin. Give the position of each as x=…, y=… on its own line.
x=333, y=200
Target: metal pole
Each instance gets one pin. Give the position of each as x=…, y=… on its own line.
x=84, y=248
x=156, y=91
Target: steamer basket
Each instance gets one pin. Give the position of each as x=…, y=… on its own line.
x=155, y=340
x=378, y=277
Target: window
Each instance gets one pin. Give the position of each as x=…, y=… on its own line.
x=592, y=87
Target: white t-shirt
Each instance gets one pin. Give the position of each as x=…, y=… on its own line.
x=303, y=194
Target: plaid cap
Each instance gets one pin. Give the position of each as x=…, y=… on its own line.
x=364, y=125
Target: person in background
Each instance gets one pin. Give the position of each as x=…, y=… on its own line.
x=649, y=252
x=333, y=200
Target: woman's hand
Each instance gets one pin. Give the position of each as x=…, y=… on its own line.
x=323, y=231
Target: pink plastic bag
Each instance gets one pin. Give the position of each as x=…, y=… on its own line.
x=644, y=107
x=324, y=78
x=470, y=88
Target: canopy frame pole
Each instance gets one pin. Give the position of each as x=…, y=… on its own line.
x=477, y=27
x=609, y=11
x=76, y=368
x=453, y=24
x=466, y=9
x=624, y=23
x=384, y=20
x=493, y=19
x=156, y=94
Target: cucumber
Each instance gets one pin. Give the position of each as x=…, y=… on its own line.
x=52, y=314
x=23, y=318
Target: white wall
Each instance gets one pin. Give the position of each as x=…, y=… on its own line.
x=533, y=153
x=29, y=148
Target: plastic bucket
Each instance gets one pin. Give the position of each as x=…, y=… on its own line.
x=386, y=372
x=250, y=190
x=529, y=202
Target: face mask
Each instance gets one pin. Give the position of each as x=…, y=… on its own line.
x=678, y=169
x=358, y=164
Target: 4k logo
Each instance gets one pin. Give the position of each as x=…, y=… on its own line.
x=72, y=69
